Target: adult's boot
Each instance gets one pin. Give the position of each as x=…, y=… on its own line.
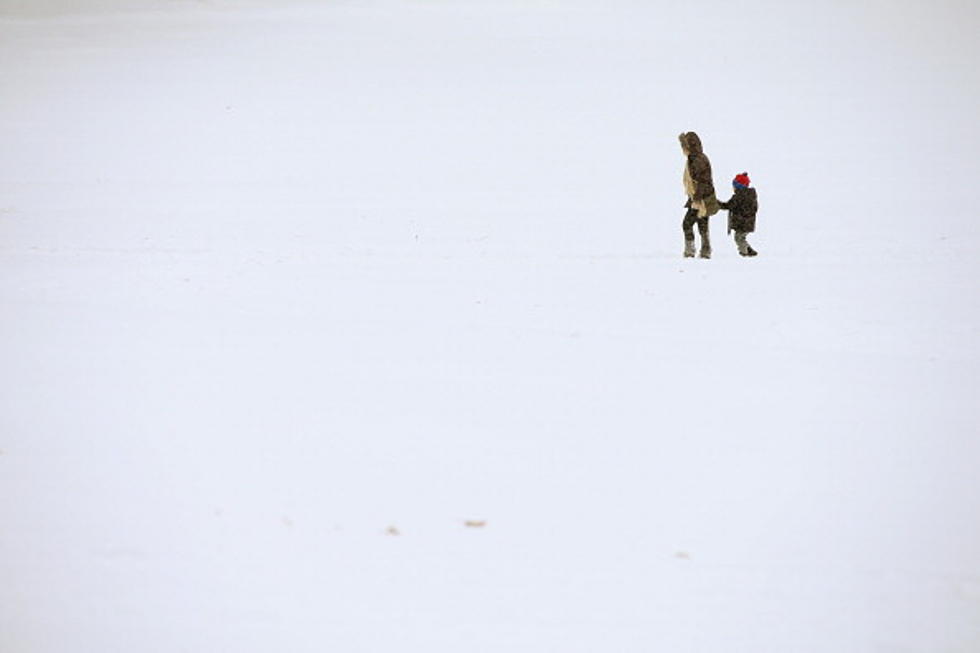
x=705, y=247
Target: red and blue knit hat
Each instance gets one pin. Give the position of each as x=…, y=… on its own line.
x=742, y=180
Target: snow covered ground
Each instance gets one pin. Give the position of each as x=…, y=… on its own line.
x=291, y=292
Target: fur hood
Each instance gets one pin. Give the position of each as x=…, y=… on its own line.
x=690, y=143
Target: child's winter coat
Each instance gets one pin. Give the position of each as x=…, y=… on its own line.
x=742, y=208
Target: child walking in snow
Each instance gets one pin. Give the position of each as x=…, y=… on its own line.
x=741, y=209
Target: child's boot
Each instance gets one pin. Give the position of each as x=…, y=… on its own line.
x=743, y=245
x=689, y=248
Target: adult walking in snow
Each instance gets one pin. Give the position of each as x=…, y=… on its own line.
x=742, y=208
x=701, y=201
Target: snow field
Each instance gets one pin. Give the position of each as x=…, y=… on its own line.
x=292, y=294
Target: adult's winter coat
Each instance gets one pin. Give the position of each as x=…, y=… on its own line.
x=697, y=175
